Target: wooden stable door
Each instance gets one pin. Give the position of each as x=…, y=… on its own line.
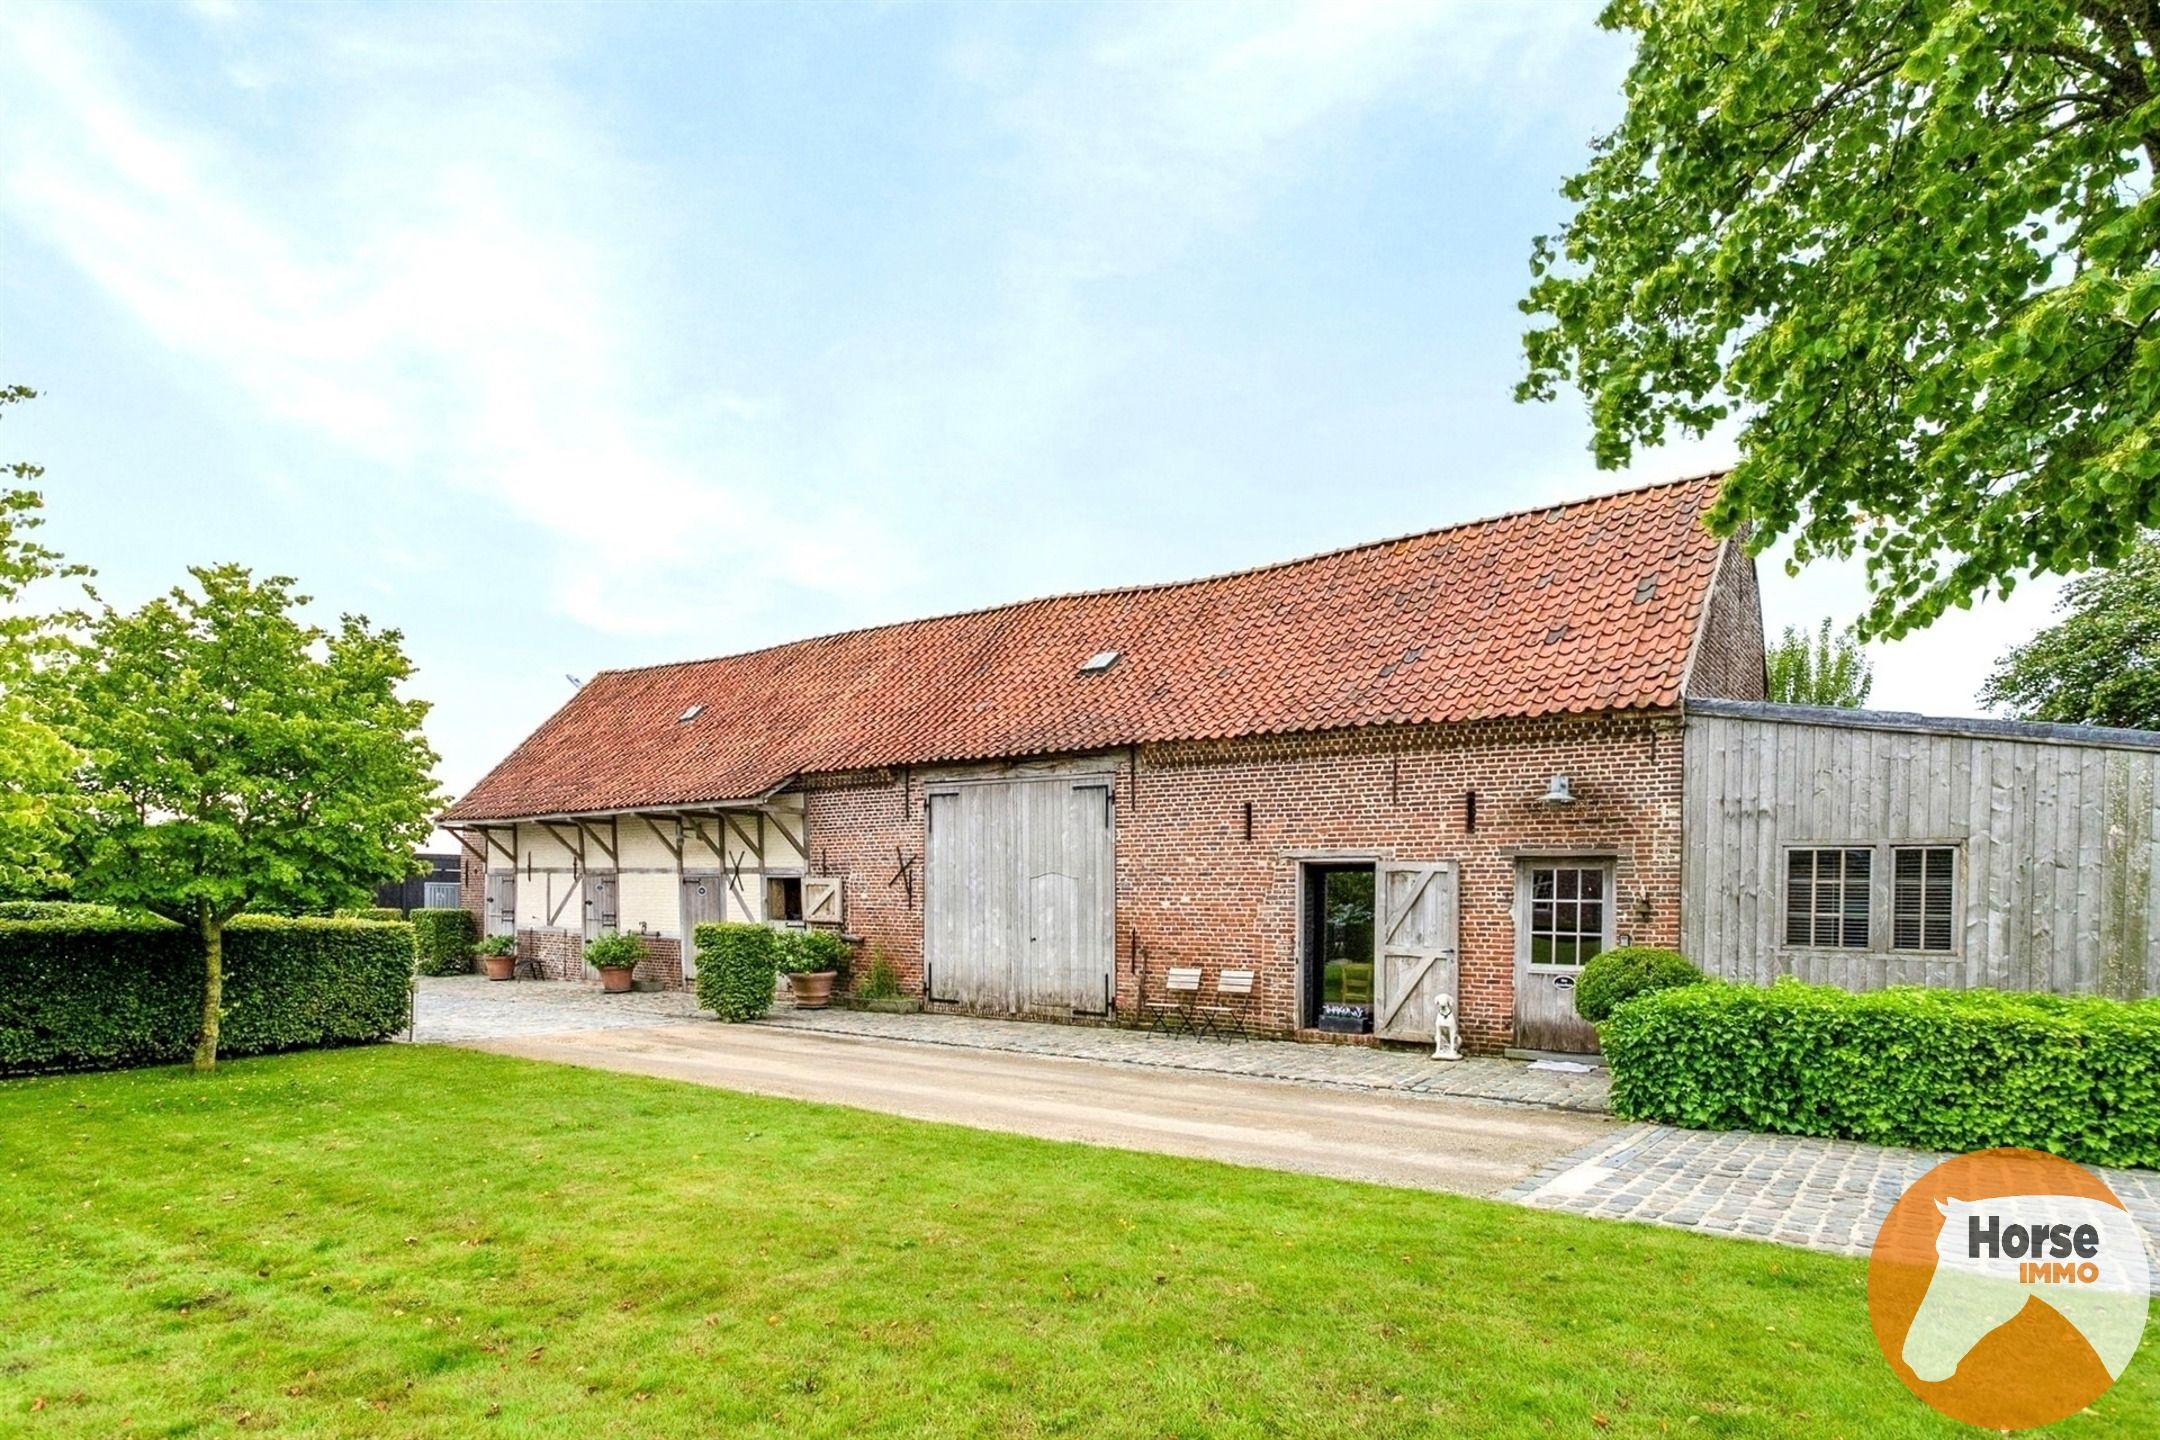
x=1416, y=915
x=1019, y=912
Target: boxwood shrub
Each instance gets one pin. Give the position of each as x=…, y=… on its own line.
x=443, y=941
x=127, y=990
x=1932, y=1069
x=736, y=968
x=1626, y=971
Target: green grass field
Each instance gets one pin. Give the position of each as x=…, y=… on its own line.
x=419, y=1242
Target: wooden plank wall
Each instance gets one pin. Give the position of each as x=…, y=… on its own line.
x=2057, y=844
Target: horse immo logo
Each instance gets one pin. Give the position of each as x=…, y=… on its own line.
x=2009, y=1288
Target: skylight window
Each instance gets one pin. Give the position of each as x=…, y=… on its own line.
x=1098, y=662
x=690, y=714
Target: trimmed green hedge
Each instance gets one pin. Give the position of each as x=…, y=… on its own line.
x=389, y=914
x=121, y=990
x=54, y=910
x=443, y=941
x=1931, y=1069
x=737, y=966
x=1626, y=971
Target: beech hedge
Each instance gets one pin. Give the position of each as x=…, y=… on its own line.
x=1931, y=1069
x=737, y=967
x=443, y=940
x=103, y=993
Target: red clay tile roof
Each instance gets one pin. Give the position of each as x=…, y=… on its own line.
x=1581, y=607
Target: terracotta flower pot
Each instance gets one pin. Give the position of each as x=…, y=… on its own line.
x=615, y=979
x=499, y=967
x=814, y=990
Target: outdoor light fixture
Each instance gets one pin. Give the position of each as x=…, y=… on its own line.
x=1557, y=793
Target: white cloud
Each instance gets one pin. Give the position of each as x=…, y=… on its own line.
x=440, y=296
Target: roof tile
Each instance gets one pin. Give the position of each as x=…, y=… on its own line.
x=1539, y=612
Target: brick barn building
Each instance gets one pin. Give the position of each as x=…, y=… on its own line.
x=1443, y=765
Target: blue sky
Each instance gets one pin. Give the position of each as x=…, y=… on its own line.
x=565, y=338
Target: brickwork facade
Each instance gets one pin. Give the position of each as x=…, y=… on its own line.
x=1191, y=889
x=1727, y=663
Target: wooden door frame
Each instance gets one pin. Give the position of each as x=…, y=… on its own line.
x=1305, y=861
x=1558, y=860
x=682, y=913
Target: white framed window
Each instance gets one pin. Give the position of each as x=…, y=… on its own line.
x=1923, y=898
x=1569, y=912
x=1828, y=897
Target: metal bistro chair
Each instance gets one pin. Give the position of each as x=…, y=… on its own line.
x=1181, y=988
x=1233, y=995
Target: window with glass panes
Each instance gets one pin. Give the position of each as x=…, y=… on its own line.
x=1923, y=893
x=1826, y=898
x=1567, y=913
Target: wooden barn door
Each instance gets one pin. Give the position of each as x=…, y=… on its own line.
x=1414, y=949
x=703, y=903
x=1018, y=912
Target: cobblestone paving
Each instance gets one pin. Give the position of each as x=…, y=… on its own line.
x=449, y=1009
x=467, y=1007
x=1822, y=1194
x=1354, y=1067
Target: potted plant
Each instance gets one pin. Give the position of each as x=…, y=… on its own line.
x=498, y=956
x=614, y=956
x=812, y=960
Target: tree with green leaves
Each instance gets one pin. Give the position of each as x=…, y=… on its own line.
x=2100, y=663
x=34, y=761
x=1825, y=668
x=1910, y=248
x=233, y=756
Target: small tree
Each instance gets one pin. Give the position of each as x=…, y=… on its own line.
x=232, y=756
x=33, y=759
x=2100, y=663
x=1819, y=669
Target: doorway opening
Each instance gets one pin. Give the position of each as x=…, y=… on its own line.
x=1337, y=948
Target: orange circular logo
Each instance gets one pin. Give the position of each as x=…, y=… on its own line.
x=2009, y=1288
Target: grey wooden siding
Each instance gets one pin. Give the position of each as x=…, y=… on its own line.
x=2057, y=885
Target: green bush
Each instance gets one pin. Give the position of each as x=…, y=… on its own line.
x=127, y=990
x=1931, y=1069
x=736, y=966
x=442, y=941
x=614, y=952
x=1622, y=974
x=495, y=945
x=882, y=982
x=384, y=913
x=55, y=910
x=807, y=952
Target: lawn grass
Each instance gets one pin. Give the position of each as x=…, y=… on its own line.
x=415, y=1241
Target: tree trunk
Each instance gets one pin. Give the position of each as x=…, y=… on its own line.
x=213, y=939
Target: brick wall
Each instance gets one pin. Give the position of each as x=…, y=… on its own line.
x=472, y=889
x=1728, y=659
x=1191, y=889
x=660, y=968
x=558, y=954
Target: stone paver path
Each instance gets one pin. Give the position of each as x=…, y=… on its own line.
x=1352, y=1067
x=1821, y=1194
x=466, y=1007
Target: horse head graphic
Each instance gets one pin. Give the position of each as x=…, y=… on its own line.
x=2084, y=1257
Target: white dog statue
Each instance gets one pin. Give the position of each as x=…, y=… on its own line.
x=1447, y=1035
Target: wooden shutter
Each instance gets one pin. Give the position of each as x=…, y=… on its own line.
x=820, y=900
